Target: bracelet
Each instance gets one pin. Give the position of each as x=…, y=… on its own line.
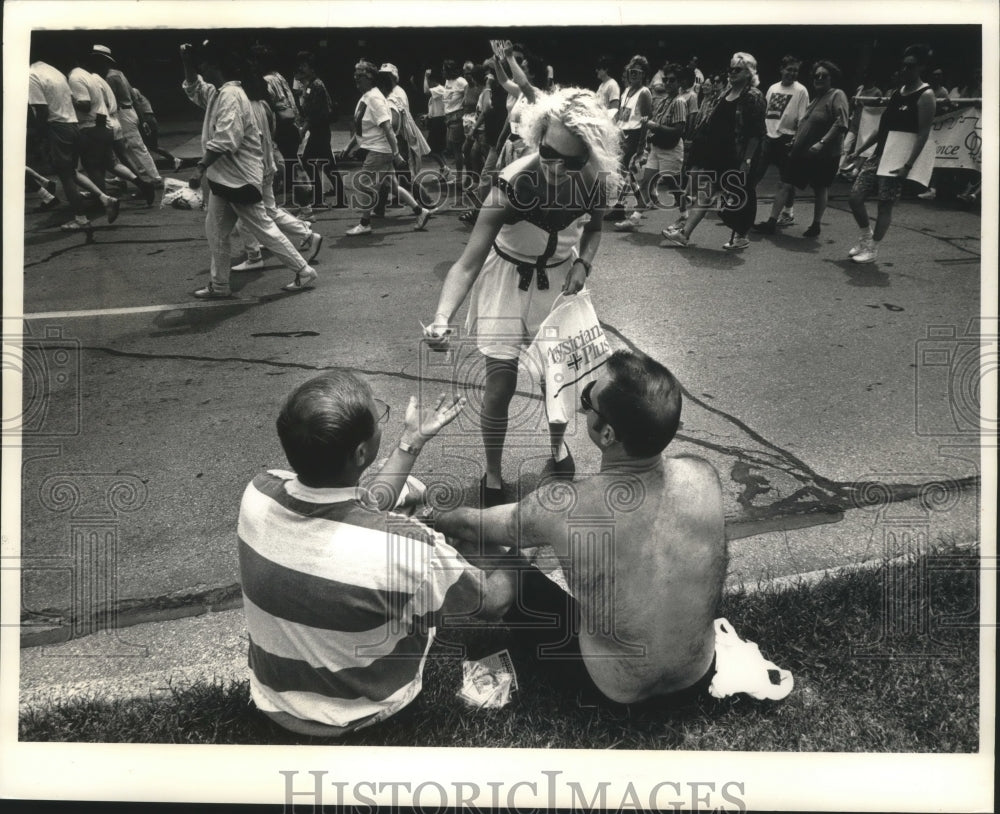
x=586, y=265
x=410, y=449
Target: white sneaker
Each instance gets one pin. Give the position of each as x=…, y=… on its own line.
x=627, y=225
x=422, y=218
x=310, y=246
x=673, y=239
x=303, y=279
x=736, y=244
x=929, y=195
x=860, y=246
x=360, y=229
x=786, y=219
x=867, y=255
x=250, y=264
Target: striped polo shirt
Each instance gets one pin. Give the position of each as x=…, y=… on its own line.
x=341, y=601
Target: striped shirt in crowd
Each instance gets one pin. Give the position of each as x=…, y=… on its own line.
x=341, y=602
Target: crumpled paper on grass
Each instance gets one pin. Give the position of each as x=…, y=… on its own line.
x=489, y=682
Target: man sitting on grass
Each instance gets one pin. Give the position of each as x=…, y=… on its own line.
x=642, y=545
x=341, y=595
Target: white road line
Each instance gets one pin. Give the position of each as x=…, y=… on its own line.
x=139, y=309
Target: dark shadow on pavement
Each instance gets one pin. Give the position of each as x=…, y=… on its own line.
x=197, y=320
x=708, y=258
x=862, y=275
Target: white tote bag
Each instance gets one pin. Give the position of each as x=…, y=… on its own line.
x=569, y=351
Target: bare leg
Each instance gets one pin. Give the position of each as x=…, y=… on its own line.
x=501, y=381
x=819, y=206
x=883, y=220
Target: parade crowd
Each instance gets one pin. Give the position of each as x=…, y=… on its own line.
x=345, y=585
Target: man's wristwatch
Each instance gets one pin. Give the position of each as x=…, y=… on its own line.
x=409, y=449
x=586, y=265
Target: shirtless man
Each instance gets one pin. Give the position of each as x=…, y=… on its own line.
x=641, y=542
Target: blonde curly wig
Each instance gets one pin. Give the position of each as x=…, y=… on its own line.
x=581, y=112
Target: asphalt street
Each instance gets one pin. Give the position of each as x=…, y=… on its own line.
x=814, y=385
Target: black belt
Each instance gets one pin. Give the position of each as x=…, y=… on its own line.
x=527, y=270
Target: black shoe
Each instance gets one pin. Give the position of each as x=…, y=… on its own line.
x=812, y=231
x=489, y=497
x=560, y=470
x=766, y=227
x=616, y=213
x=52, y=203
x=469, y=217
x=147, y=190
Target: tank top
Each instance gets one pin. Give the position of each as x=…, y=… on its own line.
x=627, y=118
x=900, y=114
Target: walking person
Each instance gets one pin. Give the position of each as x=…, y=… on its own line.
x=233, y=163
x=96, y=138
x=724, y=149
x=910, y=109
x=138, y=156
x=286, y=112
x=373, y=133
x=316, y=115
x=814, y=155
x=307, y=241
x=55, y=122
x=150, y=128
x=665, y=156
x=786, y=105
x=523, y=253
x=635, y=109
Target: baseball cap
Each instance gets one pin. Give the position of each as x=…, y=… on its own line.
x=103, y=51
x=388, y=67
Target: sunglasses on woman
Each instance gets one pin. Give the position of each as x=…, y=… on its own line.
x=571, y=162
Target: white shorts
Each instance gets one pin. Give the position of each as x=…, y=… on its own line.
x=502, y=318
x=666, y=162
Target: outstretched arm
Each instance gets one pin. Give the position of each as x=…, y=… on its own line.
x=466, y=269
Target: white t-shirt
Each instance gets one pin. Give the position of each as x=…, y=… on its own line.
x=47, y=86
x=85, y=86
x=609, y=92
x=786, y=105
x=451, y=93
x=372, y=137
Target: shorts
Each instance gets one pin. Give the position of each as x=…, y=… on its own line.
x=64, y=145
x=454, y=131
x=666, y=162
x=436, y=133
x=96, y=151
x=817, y=171
x=889, y=187
x=377, y=167
x=503, y=318
x=562, y=659
x=776, y=152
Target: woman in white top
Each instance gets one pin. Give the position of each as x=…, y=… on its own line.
x=374, y=134
x=635, y=106
x=523, y=253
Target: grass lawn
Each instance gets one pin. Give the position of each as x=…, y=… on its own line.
x=900, y=700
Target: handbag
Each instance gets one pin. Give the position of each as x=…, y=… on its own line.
x=568, y=353
x=245, y=195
